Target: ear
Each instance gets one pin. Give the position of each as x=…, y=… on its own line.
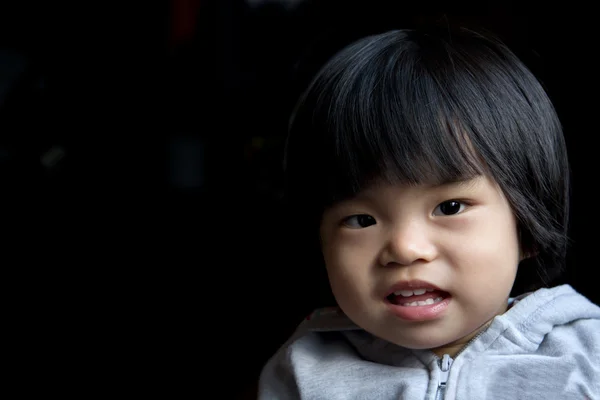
x=525, y=254
x=525, y=251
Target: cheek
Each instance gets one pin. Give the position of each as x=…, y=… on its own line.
x=349, y=265
x=351, y=248
x=345, y=260
x=487, y=253
x=479, y=231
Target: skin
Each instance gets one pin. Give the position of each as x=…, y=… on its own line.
x=390, y=233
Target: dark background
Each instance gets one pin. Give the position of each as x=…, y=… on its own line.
x=140, y=162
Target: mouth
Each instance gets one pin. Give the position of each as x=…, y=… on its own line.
x=417, y=300
x=417, y=297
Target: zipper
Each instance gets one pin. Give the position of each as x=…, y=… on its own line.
x=445, y=363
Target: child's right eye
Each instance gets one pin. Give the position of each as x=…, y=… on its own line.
x=359, y=221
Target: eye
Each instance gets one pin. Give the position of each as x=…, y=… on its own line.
x=450, y=207
x=359, y=221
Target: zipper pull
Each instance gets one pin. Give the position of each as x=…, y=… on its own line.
x=445, y=364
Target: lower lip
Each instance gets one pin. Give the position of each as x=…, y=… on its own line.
x=420, y=313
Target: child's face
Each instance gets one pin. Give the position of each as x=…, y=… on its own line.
x=459, y=239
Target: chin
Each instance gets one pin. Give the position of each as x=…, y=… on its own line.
x=420, y=341
x=422, y=345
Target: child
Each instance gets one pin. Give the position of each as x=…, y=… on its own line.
x=432, y=167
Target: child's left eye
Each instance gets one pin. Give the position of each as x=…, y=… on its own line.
x=449, y=207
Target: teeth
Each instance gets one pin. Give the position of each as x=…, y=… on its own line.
x=408, y=293
x=423, y=303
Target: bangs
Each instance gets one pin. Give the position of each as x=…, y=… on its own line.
x=384, y=117
x=412, y=138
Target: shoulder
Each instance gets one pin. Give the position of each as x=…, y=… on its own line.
x=318, y=329
x=316, y=343
x=574, y=341
x=580, y=335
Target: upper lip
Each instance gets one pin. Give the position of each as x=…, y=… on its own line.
x=411, y=285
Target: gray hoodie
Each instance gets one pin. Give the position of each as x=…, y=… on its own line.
x=546, y=346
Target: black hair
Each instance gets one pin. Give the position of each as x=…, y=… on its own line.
x=416, y=106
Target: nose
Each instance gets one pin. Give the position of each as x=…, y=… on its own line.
x=408, y=244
